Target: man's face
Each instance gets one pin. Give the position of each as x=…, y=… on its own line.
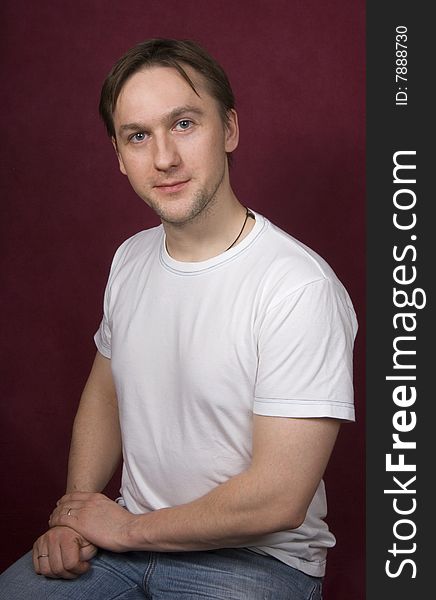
x=172, y=143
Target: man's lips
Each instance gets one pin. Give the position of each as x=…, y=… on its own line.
x=171, y=186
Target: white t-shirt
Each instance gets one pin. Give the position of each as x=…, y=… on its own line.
x=197, y=347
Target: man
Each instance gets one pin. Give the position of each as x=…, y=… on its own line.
x=223, y=369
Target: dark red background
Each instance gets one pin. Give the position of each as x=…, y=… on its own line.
x=298, y=72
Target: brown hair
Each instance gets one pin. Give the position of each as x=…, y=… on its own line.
x=167, y=53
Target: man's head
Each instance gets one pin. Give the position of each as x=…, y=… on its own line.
x=166, y=53
x=168, y=108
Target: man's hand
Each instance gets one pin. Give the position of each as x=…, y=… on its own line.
x=62, y=553
x=96, y=517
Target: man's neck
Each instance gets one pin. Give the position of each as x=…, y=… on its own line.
x=210, y=233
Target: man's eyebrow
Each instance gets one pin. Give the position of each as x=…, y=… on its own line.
x=169, y=117
x=180, y=110
x=131, y=127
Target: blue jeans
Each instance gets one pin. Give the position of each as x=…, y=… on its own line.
x=226, y=574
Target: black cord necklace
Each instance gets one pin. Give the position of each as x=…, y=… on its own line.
x=248, y=213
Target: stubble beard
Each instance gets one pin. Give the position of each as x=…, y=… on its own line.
x=202, y=202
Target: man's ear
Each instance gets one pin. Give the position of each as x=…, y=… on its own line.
x=120, y=160
x=231, y=131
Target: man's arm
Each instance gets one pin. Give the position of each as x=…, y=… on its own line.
x=94, y=455
x=273, y=494
x=95, y=450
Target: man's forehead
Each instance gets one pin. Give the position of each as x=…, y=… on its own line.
x=157, y=79
x=157, y=90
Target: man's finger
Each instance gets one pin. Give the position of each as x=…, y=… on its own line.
x=63, y=513
x=72, y=563
x=87, y=552
x=36, y=554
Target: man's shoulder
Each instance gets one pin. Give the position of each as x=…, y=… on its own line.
x=289, y=258
x=140, y=242
x=136, y=249
x=144, y=237
x=291, y=267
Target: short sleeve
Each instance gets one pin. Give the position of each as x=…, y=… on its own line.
x=103, y=336
x=305, y=350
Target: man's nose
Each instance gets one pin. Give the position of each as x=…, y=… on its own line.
x=166, y=154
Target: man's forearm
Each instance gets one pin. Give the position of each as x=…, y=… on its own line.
x=233, y=514
x=273, y=494
x=95, y=450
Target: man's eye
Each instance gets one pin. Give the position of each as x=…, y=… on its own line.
x=137, y=137
x=184, y=124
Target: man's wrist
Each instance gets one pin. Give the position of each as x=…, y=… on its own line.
x=137, y=533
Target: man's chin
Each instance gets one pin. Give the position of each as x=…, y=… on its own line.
x=176, y=220
x=180, y=214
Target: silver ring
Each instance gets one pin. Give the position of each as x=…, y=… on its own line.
x=69, y=512
x=42, y=556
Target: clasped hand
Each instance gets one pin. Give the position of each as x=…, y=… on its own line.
x=80, y=523
x=100, y=520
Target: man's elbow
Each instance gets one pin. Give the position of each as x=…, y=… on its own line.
x=285, y=518
x=294, y=519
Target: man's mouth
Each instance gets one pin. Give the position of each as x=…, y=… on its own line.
x=171, y=186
